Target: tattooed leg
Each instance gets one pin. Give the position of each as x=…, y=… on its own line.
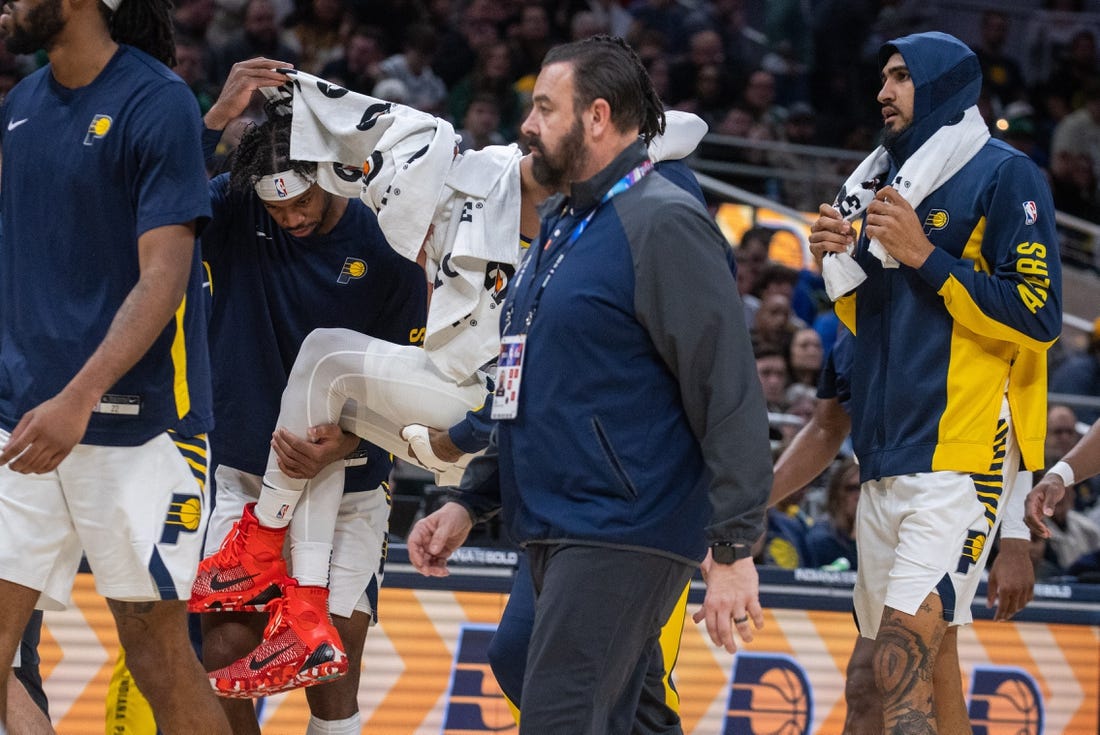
x=904, y=661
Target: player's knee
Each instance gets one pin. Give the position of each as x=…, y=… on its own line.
x=320, y=343
x=353, y=633
x=227, y=637
x=322, y=358
x=150, y=625
x=151, y=633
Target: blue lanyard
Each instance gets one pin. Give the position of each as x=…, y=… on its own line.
x=618, y=188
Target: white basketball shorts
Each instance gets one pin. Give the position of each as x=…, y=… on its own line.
x=930, y=532
x=137, y=513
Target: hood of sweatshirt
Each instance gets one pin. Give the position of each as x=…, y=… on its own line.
x=947, y=80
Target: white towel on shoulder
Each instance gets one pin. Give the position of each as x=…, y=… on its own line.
x=683, y=131
x=940, y=158
x=402, y=163
x=393, y=157
x=472, y=254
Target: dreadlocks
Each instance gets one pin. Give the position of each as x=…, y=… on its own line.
x=607, y=68
x=265, y=149
x=146, y=25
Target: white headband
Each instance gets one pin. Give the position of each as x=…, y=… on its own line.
x=112, y=4
x=282, y=186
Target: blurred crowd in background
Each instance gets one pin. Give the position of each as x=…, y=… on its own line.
x=801, y=71
x=784, y=71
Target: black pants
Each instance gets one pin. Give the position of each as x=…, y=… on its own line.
x=598, y=618
x=508, y=659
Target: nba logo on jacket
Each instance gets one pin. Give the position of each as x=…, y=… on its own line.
x=1031, y=212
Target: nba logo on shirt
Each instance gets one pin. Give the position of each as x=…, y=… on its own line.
x=98, y=128
x=1031, y=213
x=280, y=187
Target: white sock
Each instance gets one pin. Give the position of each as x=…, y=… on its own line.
x=276, y=506
x=351, y=726
x=309, y=562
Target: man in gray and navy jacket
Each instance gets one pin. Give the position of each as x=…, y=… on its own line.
x=631, y=428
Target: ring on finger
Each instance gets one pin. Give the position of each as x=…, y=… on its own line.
x=738, y=621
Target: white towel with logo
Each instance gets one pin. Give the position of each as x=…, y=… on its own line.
x=471, y=256
x=940, y=158
x=391, y=156
x=402, y=163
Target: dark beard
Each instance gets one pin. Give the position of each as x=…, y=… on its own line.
x=553, y=171
x=891, y=136
x=38, y=30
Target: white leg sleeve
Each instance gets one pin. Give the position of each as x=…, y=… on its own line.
x=350, y=726
x=313, y=527
x=372, y=387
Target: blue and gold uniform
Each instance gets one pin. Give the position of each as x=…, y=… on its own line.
x=934, y=345
x=125, y=152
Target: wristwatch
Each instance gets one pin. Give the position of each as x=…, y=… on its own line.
x=727, y=553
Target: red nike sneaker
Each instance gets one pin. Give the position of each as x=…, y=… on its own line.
x=300, y=648
x=247, y=571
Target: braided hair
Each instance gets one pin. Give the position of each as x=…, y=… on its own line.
x=605, y=67
x=265, y=149
x=145, y=25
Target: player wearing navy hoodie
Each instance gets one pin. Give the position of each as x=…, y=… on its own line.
x=939, y=428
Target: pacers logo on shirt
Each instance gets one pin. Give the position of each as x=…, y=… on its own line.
x=353, y=270
x=1005, y=701
x=475, y=702
x=184, y=516
x=936, y=219
x=770, y=694
x=98, y=128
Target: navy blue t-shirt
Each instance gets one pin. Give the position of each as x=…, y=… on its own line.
x=86, y=172
x=193, y=315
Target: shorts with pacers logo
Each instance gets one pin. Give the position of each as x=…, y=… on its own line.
x=137, y=514
x=930, y=532
x=359, y=542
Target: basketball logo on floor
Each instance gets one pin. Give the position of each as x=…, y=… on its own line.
x=770, y=694
x=475, y=702
x=1004, y=701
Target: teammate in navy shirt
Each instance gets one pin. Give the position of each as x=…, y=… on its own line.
x=285, y=258
x=103, y=191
